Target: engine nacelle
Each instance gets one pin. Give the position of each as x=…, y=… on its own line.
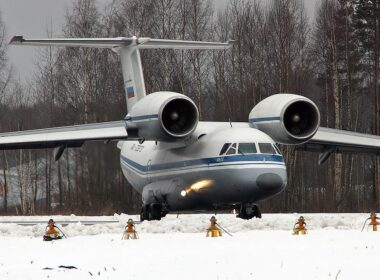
x=286, y=118
x=164, y=116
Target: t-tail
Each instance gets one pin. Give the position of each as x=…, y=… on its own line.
x=129, y=52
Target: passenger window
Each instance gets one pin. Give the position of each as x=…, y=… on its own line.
x=232, y=150
x=247, y=148
x=224, y=148
x=266, y=148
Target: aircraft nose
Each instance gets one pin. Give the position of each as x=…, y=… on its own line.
x=270, y=182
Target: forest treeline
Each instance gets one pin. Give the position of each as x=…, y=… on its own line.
x=331, y=57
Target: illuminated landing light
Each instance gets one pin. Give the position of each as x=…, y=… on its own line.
x=197, y=186
x=200, y=185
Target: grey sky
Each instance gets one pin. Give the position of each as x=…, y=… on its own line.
x=30, y=18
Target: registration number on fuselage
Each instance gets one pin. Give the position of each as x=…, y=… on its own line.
x=137, y=148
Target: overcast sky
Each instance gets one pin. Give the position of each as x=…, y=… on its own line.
x=30, y=18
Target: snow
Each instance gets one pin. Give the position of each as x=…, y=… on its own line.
x=176, y=248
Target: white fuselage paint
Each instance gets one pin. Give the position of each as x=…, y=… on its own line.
x=234, y=176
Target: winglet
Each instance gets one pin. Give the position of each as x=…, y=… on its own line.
x=16, y=40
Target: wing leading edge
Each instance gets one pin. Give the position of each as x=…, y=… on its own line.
x=67, y=136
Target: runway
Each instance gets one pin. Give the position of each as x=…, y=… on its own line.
x=178, y=249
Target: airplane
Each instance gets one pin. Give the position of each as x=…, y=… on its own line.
x=179, y=163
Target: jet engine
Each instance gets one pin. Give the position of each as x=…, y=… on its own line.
x=286, y=118
x=164, y=116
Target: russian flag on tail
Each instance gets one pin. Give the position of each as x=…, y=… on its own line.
x=130, y=92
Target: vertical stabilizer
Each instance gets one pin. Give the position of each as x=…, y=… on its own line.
x=132, y=75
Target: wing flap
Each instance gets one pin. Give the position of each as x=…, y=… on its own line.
x=69, y=136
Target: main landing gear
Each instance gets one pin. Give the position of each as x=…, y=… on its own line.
x=248, y=210
x=153, y=211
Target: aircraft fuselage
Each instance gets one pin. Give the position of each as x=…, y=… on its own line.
x=198, y=175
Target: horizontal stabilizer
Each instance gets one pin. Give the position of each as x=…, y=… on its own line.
x=73, y=42
x=141, y=43
x=147, y=43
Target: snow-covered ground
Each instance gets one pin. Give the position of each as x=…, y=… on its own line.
x=176, y=248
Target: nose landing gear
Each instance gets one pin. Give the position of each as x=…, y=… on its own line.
x=153, y=211
x=247, y=211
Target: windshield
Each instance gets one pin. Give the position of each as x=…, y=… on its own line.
x=232, y=149
x=267, y=148
x=247, y=148
x=224, y=148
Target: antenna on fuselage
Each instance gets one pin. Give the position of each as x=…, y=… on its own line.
x=229, y=119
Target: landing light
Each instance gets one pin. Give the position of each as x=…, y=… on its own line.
x=197, y=186
x=200, y=185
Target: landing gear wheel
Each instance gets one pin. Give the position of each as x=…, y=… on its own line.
x=144, y=213
x=152, y=212
x=256, y=212
x=248, y=211
x=155, y=212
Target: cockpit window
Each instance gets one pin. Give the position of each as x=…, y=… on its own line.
x=224, y=148
x=232, y=149
x=247, y=148
x=266, y=148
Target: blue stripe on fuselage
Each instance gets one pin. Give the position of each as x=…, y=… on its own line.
x=267, y=119
x=141, y=118
x=215, y=161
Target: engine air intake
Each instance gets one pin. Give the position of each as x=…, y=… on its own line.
x=301, y=119
x=179, y=117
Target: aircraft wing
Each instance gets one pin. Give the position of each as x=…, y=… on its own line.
x=328, y=140
x=66, y=136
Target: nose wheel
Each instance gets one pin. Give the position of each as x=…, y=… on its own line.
x=154, y=211
x=248, y=211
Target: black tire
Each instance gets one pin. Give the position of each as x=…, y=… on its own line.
x=256, y=211
x=151, y=212
x=155, y=210
x=144, y=213
x=258, y=214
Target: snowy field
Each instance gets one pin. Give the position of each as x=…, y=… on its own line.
x=176, y=248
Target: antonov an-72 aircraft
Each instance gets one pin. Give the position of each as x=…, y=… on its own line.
x=177, y=162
